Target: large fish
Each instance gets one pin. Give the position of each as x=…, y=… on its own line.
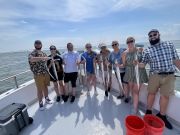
x=82, y=68
x=107, y=66
x=102, y=69
x=137, y=70
x=118, y=75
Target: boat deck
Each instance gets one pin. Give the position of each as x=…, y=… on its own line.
x=88, y=115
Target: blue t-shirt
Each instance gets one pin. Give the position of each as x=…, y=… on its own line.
x=116, y=56
x=89, y=61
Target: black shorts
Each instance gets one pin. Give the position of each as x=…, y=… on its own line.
x=122, y=76
x=60, y=77
x=71, y=77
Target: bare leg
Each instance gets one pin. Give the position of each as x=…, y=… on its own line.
x=110, y=82
x=62, y=89
x=126, y=89
x=93, y=78
x=45, y=91
x=56, y=88
x=73, y=91
x=66, y=88
x=39, y=95
x=164, y=100
x=88, y=82
x=150, y=100
x=135, y=93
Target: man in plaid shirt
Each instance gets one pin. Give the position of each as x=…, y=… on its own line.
x=162, y=58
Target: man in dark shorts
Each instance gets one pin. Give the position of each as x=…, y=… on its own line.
x=56, y=72
x=70, y=59
x=37, y=61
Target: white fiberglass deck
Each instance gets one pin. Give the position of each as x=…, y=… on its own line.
x=88, y=115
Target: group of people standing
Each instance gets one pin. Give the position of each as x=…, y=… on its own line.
x=128, y=64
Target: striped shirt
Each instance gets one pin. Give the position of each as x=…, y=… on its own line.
x=160, y=57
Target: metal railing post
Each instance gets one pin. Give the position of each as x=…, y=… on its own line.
x=15, y=80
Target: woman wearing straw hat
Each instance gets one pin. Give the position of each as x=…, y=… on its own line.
x=135, y=76
x=105, y=67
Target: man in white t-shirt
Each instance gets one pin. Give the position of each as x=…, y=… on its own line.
x=70, y=59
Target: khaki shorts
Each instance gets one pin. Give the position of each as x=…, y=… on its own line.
x=42, y=81
x=164, y=83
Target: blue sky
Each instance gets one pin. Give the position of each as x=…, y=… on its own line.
x=80, y=21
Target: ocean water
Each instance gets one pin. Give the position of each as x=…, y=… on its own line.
x=12, y=63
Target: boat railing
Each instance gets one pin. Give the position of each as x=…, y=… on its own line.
x=16, y=83
x=12, y=81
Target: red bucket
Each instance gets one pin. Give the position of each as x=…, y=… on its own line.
x=134, y=125
x=154, y=125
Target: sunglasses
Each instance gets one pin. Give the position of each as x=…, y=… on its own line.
x=153, y=35
x=88, y=47
x=130, y=41
x=103, y=47
x=114, y=44
x=52, y=48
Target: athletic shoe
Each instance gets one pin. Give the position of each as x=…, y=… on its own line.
x=106, y=93
x=58, y=98
x=72, y=99
x=66, y=98
x=166, y=122
x=95, y=92
x=126, y=100
x=88, y=93
x=63, y=97
x=41, y=106
x=120, y=96
x=48, y=101
x=148, y=112
x=109, y=89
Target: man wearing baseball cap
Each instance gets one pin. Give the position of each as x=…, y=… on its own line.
x=37, y=61
x=161, y=56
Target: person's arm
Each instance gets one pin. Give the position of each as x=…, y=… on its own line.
x=95, y=57
x=110, y=60
x=176, y=60
x=177, y=63
x=77, y=58
x=83, y=59
x=124, y=58
x=145, y=59
x=36, y=59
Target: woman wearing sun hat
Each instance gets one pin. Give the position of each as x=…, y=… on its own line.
x=105, y=67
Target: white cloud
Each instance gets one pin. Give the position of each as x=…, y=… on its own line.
x=170, y=32
x=71, y=10
x=15, y=15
